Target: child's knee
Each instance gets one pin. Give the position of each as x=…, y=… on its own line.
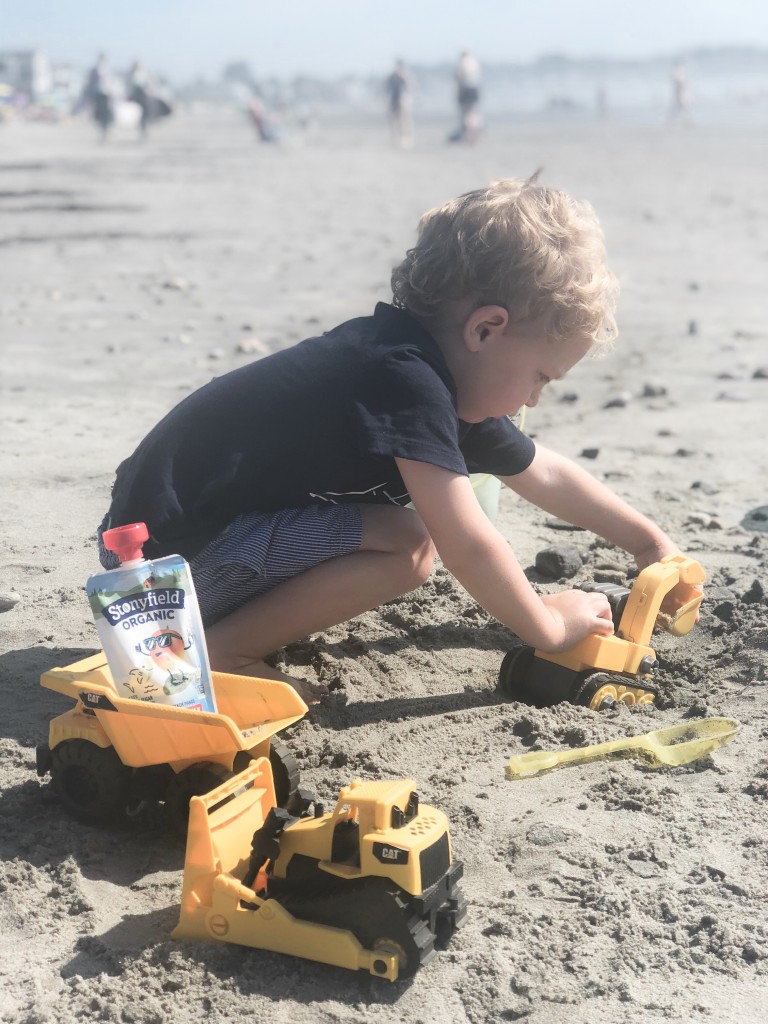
x=419, y=548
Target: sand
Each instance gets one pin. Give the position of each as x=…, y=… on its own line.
x=613, y=891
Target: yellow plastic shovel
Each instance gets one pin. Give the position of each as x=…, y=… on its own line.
x=676, y=745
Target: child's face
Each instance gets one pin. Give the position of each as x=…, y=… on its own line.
x=511, y=370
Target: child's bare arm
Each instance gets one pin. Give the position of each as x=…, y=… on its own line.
x=480, y=558
x=564, y=489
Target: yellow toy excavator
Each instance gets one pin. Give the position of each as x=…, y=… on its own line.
x=601, y=671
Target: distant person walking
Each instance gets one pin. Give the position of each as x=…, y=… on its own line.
x=267, y=125
x=400, y=93
x=681, y=95
x=98, y=96
x=468, y=76
x=141, y=90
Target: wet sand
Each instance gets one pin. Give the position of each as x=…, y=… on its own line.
x=132, y=274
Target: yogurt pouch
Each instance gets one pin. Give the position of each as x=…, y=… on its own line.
x=148, y=620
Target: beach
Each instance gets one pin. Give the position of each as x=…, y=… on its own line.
x=134, y=273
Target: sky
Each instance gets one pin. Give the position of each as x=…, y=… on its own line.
x=186, y=38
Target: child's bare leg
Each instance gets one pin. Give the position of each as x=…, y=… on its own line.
x=395, y=556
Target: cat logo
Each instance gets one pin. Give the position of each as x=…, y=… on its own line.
x=96, y=700
x=390, y=854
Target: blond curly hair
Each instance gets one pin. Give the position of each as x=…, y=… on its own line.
x=536, y=251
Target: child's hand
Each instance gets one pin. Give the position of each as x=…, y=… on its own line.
x=579, y=614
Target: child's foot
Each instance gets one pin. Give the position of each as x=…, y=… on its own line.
x=310, y=693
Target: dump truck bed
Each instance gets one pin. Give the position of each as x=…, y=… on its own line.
x=250, y=710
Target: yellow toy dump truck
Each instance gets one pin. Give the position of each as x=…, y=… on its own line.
x=369, y=886
x=109, y=754
x=602, y=671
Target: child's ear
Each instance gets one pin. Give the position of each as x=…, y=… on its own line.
x=483, y=323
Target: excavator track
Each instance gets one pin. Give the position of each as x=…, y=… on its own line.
x=600, y=690
x=379, y=915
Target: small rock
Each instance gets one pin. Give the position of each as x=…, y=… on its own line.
x=590, y=453
x=9, y=599
x=560, y=562
x=756, y=519
x=176, y=284
x=612, y=565
x=249, y=345
x=547, y=835
x=618, y=579
x=561, y=524
x=755, y=594
x=761, y=373
x=568, y=397
x=722, y=602
x=653, y=391
x=693, y=327
x=704, y=520
x=704, y=487
x=619, y=401
x=216, y=353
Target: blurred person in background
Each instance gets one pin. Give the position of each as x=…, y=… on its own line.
x=141, y=90
x=468, y=75
x=400, y=92
x=680, y=101
x=98, y=96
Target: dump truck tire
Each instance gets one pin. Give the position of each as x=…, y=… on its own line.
x=91, y=782
x=197, y=780
x=285, y=772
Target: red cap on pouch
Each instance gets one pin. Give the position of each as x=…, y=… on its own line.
x=126, y=541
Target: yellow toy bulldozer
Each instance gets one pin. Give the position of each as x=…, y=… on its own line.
x=369, y=886
x=601, y=671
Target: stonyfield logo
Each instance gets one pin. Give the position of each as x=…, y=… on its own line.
x=162, y=599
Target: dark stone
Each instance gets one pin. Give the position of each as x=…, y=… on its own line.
x=560, y=562
x=590, y=453
x=756, y=519
x=562, y=524
x=654, y=391
x=755, y=594
x=704, y=487
x=722, y=602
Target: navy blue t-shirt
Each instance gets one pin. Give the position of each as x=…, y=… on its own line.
x=319, y=422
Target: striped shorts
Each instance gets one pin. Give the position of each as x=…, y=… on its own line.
x=258, y=551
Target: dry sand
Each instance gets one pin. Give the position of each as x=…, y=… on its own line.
x=611, y=892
